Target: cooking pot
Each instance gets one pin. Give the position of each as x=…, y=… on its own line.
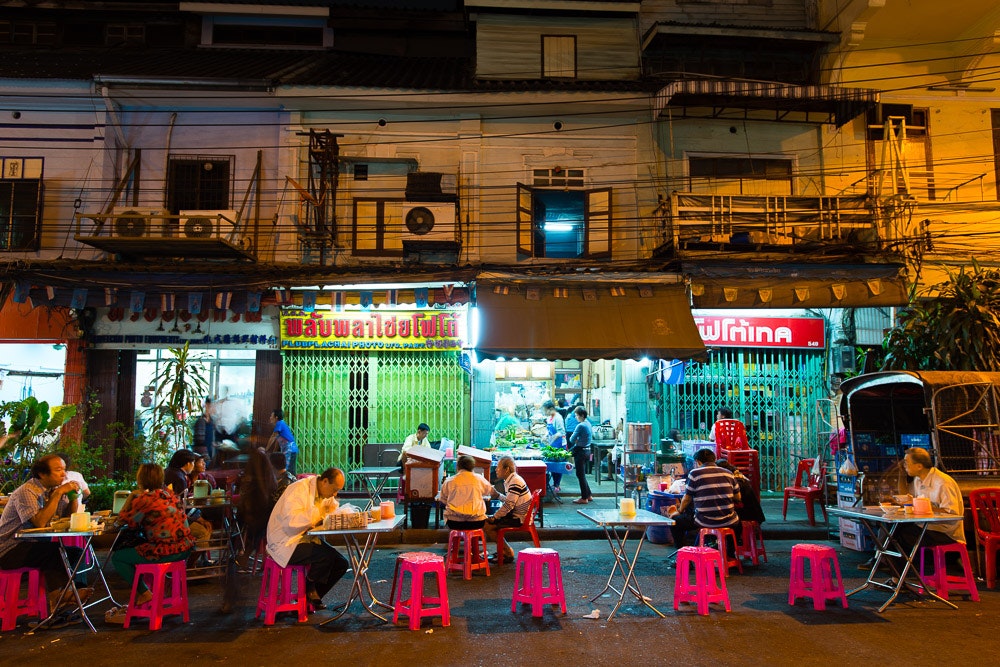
x=604, y=432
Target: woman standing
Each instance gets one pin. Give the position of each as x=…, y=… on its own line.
x=156, y=512
x=555, y=427
x=580, y=446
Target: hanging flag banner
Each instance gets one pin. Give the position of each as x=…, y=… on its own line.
x=646, y=291
x=79, y=298
x=110, y=296
x=21, y=291
x=167, y=302
x=671, y=372
x=309, y=301
x=222, y=300
x=392, y=297
x=560, y=292
x=366, y=298
x=533, y=293
x=194, y=302
x=590, y=295
x=253, y=302
x=411, y=330
x=136, y=301
x=420, y=295
x=791, y=332
x=50, y=291
x=337, y=299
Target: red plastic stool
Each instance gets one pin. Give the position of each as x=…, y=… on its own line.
x=753, y=543
x=721, y=535
x=709, y=577
x=276, y=594
x=12, y=605
x=419, y=563
x=940, y=580
x=529, y=580
x=467, y=552
x=162, y=604
x=823, y=563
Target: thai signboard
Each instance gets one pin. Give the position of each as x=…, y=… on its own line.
x=786, y=332
x=430, y=330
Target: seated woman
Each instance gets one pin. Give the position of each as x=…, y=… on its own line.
x=177, y=474
x=199, y=473
x=258, y=487
x=156, y=511
x=462, y=496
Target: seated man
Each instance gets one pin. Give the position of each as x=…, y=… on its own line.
x=34, y=504
x=516, y=501
x=300, y=509
x=713, y=491
x=418, y=439
x=945, y=496
x=462, y=496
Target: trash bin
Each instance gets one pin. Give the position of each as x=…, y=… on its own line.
x=420, y=514
x=657, y=502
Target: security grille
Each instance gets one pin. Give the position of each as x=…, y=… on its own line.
x=967, y=418
x=773, y=393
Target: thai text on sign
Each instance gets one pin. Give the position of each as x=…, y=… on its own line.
x=400, y=330
x=790, y=332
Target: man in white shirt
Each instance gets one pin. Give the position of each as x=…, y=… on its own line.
x=944, y=494
x=415, y=439
x=74, y=476
x=301, y=508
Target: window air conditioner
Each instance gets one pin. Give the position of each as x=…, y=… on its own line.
x=206, y=224
x=134, y=222
x=426, y=221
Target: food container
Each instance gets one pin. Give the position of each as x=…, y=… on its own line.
x=202, y=488
x=79, y=521
x=626, y=507
x=388, y=509
x=375, y=513
x=922, y=506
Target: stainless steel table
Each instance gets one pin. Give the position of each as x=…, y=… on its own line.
x=375, y=478
x=616, y=527
x=360, y=556
x=72, y=569
x=882, y=527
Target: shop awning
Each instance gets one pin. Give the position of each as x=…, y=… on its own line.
x=592, y=322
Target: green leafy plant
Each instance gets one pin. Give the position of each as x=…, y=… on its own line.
x=180, y=387
x=29, y=425
x=957, y=329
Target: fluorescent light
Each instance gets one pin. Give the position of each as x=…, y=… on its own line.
x=558, y=227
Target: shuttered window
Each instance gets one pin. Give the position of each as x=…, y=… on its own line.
x=559, y=56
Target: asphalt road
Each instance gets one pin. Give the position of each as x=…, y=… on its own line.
x=761, y=627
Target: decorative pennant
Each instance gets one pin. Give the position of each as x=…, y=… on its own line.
x=645, y=291
x=697, y=289
x=420, y=296
x=22, y=289
x=617, y=291
x=875, y=286
x=79, y=299
x=167, y=302
x=590, y=295
x=765, y=294
x=50, y=291
x=392, y=297
x=448, y=291
x=802, y=293
x=561, y=292
x=366, y=298
x=136, y=301
x=253, y=302
x=110, y=296
x=533, y=293
x=309, y=301
x=337, y=300
x=730, y=294
x=194, y=302
x=839, y=291
x=284, y=296
x=501, y=289
x=222, y=300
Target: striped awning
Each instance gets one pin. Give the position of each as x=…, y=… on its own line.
x=837, y=104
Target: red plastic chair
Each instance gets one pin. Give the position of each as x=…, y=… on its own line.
x=809, y=487
x=527, y=525
x=985, y=504
x=730, y=434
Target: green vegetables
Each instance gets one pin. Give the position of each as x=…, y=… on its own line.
x=556, y=454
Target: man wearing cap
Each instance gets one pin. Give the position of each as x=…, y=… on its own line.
x=418, y=439
x=300, y=509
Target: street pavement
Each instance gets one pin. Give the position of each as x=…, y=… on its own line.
x=762, y=626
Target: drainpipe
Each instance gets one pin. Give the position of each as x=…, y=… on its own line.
x=115, y=121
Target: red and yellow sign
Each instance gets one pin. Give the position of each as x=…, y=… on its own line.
x=429, y=330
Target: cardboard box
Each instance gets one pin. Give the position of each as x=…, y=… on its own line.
x=847, y=500
x=854, y=536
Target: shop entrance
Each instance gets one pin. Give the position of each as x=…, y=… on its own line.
x=338, y=401
x=774, y=393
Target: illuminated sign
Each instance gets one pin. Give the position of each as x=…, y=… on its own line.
x=429, y=330
x=789, y=332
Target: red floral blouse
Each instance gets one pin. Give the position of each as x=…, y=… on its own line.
x=162, y=521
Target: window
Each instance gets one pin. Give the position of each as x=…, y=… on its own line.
x=361, y=172
x=378, y=228
x=567, y=224
x=740, y=175
x=559, y=56
x=27, y=33
x=198, y=183
x=20, y=203
x=117, y=34
x=557, y=177
x=269, y=32
x=915, y=120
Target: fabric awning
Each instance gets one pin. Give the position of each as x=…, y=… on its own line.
x=592, y=322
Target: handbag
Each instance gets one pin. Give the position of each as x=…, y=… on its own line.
x=128, y=538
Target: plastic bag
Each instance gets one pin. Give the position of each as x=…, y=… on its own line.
x=848, y=467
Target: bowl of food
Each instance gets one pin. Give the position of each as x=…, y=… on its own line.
x=888, y=507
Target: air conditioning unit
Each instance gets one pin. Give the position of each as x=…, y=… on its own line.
x=428, y=221
x=133, y=222
x=206, y=224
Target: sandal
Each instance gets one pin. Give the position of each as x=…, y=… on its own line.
x=116, y=615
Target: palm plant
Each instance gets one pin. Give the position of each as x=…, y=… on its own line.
x=180, y=387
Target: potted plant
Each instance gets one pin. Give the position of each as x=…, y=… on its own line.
x=180, y=387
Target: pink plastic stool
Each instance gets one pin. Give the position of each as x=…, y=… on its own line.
x=721, y=535
x=753, y=543
x=823, y=563
x=467, y=552
x=709, y=577
x=529, y=580
x=77, y=542
x=12, y=605
x=940, y=580
x=419, y=563
x=276, y=594
x=162, y=604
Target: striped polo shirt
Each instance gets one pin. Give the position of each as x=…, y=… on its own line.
x=713, y=489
